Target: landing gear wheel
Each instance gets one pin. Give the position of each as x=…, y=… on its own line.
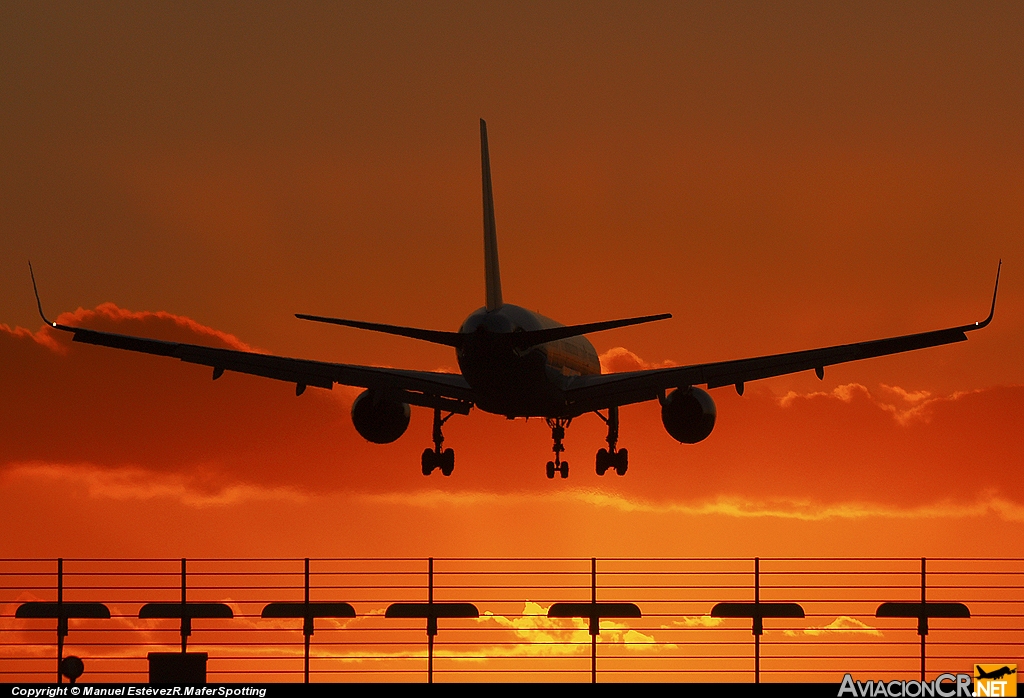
x=428, y=461
x=434, y=458
x=622, y=462
x=448, y=462
x=610, y=457
x=558, y=425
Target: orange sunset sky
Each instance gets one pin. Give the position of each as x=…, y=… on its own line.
x=778, y=176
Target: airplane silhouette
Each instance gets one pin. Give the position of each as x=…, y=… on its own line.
x=996, y=674
x=518, y=363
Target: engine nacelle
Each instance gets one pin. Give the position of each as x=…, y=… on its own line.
x=688, y=415
x=377, y=419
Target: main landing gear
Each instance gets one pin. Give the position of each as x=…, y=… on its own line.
x=607, y=458
x=558, y=426
x=610, y=458
x=436, y=457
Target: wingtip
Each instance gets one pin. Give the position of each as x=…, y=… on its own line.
x=995, y=293
x=35, y=290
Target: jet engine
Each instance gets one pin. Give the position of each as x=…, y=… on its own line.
x=688, y=415
x=378, y=419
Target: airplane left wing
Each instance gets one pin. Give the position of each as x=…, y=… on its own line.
x=589, y=393
x=446, y=391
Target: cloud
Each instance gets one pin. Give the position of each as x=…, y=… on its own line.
x=534, y=633
x=192, y=489
x=912, y=397
x=63, y=403
x=843, y=393
x=158, y=325
x=849, y=445
x=696, y=622
x=733, y=507
x=905, y=406
x=844, y=625
x=621, y=360
x=133, y=483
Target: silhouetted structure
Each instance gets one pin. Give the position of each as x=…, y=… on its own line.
x=72, y=667
x=431, y=611
x=922, y=611
x=594, y=612
x=307, y=611
x=678, y=589
x=62, y=612
x=757, y=611
x=183, y=667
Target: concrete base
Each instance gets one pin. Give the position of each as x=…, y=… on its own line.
x=176, y=667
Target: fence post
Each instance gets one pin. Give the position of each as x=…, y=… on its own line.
x=62, y=622
x=306, y=632
x=431, y=622
x=922, y=623
x=758, y=621
x=593, y=635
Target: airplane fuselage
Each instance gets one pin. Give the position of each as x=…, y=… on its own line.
x=521, y=383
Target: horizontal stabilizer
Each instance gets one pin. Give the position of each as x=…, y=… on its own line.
x=531, y=338
x=521, y=339
x=450, y=339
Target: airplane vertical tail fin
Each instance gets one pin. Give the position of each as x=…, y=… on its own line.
x=492, y=273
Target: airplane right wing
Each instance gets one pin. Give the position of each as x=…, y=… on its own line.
x=589, y=393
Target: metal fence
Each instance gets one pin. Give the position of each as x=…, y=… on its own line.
x=698, y=618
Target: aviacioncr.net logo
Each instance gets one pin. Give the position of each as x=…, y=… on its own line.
x=995, y=680
x=943, y=686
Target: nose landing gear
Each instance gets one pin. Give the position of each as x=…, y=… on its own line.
x=610, y=457
x=558, y=426
x=434, y=458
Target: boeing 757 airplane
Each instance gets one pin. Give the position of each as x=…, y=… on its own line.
x=518, y=363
